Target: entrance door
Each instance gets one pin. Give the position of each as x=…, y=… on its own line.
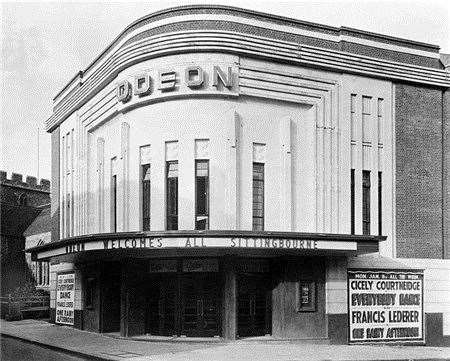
x=161, y=305
x=254, y=306
x=110, y=299
x=200, y=306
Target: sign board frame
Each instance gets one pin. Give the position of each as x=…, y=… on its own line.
x=71, y=299
x=392, y=273
x=230, y=243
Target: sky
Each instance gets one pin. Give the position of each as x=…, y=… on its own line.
x=45, y=43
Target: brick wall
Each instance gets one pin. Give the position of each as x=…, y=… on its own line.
x=446, y=163
x=419, y=172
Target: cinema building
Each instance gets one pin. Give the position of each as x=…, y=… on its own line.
x=216, y=171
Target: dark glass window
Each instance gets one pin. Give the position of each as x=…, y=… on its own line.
x=366, y=201
x=172, y=195
x=114, y=203
x=380, y=205
x=145, y=189
x=202, y=194
x=68, y=213
x=258, y=197
x=40, y=273
x=352, y=201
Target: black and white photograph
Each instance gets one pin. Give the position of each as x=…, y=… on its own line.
x=225, y=180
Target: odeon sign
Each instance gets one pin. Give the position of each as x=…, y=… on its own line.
x=195, y=77
x=155, y=243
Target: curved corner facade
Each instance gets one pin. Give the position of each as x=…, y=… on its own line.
x=215, y=172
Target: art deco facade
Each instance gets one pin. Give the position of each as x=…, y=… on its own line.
x=215, y=172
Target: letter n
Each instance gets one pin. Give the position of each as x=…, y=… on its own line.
x=227, y=80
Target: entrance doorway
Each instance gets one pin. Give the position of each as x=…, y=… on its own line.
x=254, y=305
x=184, y=304
x=200, y=296
x=110, y=297
x=162, y=305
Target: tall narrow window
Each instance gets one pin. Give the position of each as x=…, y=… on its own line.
x=145, y=189
x=68, y=212
x=201, y=194
x=258, y=196
x=62, y=185
x=40, y=273
x=114, y=203
x=172, y=195
x=366, y=201
x=352, y=201
x=380, y=205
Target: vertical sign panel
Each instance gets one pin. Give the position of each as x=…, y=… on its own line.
x=385, y=306
x=65, y=294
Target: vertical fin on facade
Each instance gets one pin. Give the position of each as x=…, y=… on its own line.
x=125, y=173
x=101, y=183
x=286, y=178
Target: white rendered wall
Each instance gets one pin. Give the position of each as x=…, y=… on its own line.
x=336, y=285
x=302, y=118
x=436, y=286
x=186, y=121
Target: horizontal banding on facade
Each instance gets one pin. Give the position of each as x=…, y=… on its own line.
x=286, y=43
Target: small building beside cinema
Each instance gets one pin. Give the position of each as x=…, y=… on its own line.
x=216, y=171
x=23, y=203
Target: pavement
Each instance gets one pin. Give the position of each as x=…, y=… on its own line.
x=102, y=347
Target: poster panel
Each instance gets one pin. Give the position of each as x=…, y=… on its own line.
x=385, y=306
x=65, y=295
x=163, y=266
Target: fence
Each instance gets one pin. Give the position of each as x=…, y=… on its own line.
x=16, y=308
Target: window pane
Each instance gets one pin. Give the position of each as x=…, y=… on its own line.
x=172, y=170
x=201, y=194
x=352, y=201
x=114, y=203
x=366, y=202
x=258, y=197
x=172, y=195
x=380, y=204
x=201, y=223
x=146, y=176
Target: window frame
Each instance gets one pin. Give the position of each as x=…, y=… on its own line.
x=366, y=214
x=169, y=225
x=143, y=200
x=262, y=181
x=352, y=201
x=312, y=294
x=207, y=196
x=380, y=203
x=113, y=203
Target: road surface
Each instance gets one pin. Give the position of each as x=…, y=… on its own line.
x=15, y=350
